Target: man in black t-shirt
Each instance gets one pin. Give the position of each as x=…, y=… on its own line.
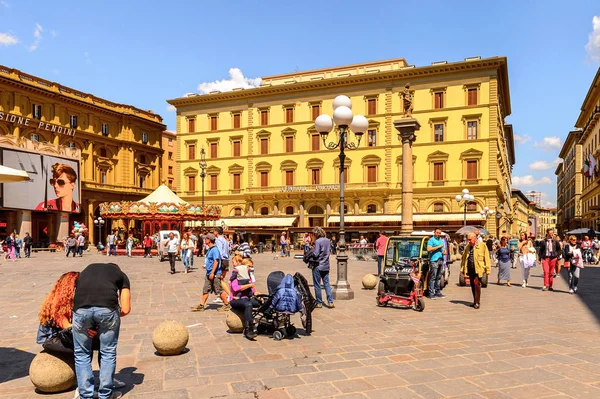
x=102, y=297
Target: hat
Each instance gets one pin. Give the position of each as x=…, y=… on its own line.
x=211, y=237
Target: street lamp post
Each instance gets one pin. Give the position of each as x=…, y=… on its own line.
x=99, y=222
x=202, y=165
x=466, y=198
x=345, y=121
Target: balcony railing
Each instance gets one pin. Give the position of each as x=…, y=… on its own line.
x=90, y=185
x=317, y=187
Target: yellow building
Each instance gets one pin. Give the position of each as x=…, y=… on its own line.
x=269, y=169
x=169, y=145
x=119, y=145
x=522, y=208
x=569, y=181
x=542, y=219
x=588, y=122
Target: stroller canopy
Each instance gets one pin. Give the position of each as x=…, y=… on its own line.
x=273, y=281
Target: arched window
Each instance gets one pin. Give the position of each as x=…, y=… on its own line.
x=264, y=210
x=316, y=221
x=315, y=210
x=289, y=210
x=438, y=207
x=237, y=212
x=372, y=208
x=472, y=207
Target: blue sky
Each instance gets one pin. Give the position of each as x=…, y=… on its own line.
x=144, y=52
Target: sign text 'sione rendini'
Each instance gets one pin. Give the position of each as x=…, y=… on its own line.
x=49, y=127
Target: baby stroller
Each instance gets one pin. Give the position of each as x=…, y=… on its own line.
x=269, y=320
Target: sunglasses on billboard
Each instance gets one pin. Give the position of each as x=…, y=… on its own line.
x=60, y=182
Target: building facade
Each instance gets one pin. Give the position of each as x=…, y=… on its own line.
x=268, y=168
x=169, y=145
x=119, y=145
x=522, y=209
x=588, y=123
x=569, y=183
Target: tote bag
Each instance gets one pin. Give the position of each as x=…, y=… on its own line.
x=529, y=260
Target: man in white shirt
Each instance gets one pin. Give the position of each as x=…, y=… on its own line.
x=194, y=241
x=172, y=245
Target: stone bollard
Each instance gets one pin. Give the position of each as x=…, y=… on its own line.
x=370, y=281
x=235, y=321
x=170, y=338
x=50, y=373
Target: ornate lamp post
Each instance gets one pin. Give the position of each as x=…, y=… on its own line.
x=465, y=198
x=99, y=222
x=345, y=121
x=202, y=165
x=486, y=212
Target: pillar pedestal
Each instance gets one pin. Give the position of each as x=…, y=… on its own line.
x=406, y=133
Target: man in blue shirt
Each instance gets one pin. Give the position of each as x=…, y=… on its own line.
x=223, y=246
x=435, y=247
x=213, y=276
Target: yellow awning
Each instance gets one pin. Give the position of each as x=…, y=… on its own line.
x=248, y=222
x=366, y=219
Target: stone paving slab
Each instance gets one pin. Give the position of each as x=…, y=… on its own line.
x=522, y=343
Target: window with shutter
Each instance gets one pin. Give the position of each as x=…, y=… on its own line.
x=213, y=150
x=316, y=142
x=236, y=181
x=289, y=144
x=289, y=210
x=289, y=115
x=213, y=182
x=372, y=106
x=264, y=179
x=264, y=146
x=103, y=177
x=472, y=170
x=264, y=118
x=213, y=123
x=237, y=146
x=191, y=183
x=439, y=100
x=438, y=207
x=438, y=132
x=371, y=138
x=36, y=111
x=105, y=129
x=316, y=111
x=170, y=170
x=289, y=177
x=472, y=130
x=372, y=174
x=237, y=121
x=73, y=121
x=191, y=151
x=438, y=171
x=316, y=176
x=191, y=125
x=472, y=96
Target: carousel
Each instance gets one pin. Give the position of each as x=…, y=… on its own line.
x=161, y=210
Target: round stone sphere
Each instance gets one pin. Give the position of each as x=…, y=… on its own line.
x=370, y=281
x=49, y=373
x=170, y=338
x=235, y=321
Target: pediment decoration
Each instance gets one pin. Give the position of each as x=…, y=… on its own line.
x=437, y=156
x=371, y=160
x=471, y=153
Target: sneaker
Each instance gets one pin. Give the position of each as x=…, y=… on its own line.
x=571, y=291
x=330, y=305
x=550, y=289
x=431, y=297
x=224, y=308
x=199, y=308
x=545, y=288
x=440, y=295
x=118, y=383
x=319, y=306
x=218, y=300
x=575, y=290
x=524, y=284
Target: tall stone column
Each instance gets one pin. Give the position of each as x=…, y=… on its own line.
x=301, y=214
x=25, y=225
x=406, y=133
x=62, y=226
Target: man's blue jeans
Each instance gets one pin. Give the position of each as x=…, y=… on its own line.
x=436, y=269
x=379, y=262
x=283, y=251
x=112, y=248
x=319, y=275
x=108, y=322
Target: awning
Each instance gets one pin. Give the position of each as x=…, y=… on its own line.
x=249, y=222
x=428, y=217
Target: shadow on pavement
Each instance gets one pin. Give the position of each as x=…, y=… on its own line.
x=14, y=364
x=587, y=292
x=465, y=303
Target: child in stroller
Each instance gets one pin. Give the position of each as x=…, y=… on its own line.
x=287, y=296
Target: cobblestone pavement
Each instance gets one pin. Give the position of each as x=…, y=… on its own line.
x=522, y=343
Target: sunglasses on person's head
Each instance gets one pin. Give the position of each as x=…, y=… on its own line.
x=60, y=182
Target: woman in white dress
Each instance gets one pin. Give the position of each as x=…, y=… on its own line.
x=524, y=249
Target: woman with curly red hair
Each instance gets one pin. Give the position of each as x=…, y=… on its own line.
x=56, y=313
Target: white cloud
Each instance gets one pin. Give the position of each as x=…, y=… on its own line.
x=529, y=180
x=522, y=139
x=544, y=165
x=549, y=144
x=37, y=35
x=8, y=39
x=593, y=45
x=4, y=3
x=236, y=80
x=171, y=108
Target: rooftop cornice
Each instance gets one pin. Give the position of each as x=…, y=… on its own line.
x=405, y=74
x=572, y=138
x=590, y=101
x=25, y=80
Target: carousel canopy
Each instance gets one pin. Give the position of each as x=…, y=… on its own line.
x=162, y=204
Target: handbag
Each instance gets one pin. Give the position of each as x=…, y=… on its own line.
x=308, y=258
x=61, y=342
x=529, y=260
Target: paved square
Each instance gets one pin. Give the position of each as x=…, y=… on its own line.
x=522, y=343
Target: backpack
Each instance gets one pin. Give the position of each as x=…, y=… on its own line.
x=309, y=259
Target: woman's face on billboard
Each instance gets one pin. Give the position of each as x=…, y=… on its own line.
x=62, y=186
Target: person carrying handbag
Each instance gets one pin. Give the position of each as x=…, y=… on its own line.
x=573, y=255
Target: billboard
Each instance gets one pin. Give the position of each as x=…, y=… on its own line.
x=54, y=183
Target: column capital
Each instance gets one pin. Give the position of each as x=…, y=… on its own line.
x=406, y=129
